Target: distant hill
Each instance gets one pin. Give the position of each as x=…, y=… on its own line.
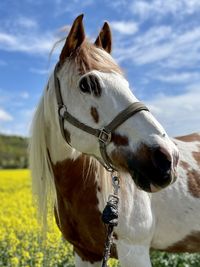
x=13, y=152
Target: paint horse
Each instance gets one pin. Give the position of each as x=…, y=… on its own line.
x=68, y=164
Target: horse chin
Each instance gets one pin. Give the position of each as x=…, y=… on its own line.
x=144, y=184
x=141, y=182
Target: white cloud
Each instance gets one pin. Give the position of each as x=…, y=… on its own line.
x=144, y=48
x=20, y=124
x=141, y=8
x=30, y=43
x=23, y=34
x=5, y=116
x=6, y=38
x=174, y=46
x=153, y=54
x=124, y=27
x=186, y=49
x=24, y=95
x=118, y=4
x=178, y=114
x=40, y=71
x=146, y=9
x=26, y=22
x=171, y=48
x=178, y=78
x=72, y=7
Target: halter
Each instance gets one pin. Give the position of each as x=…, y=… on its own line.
x=103, y=135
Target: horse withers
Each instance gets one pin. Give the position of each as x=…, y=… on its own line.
x=87, y=121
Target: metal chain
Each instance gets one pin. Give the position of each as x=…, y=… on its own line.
x=110, y=217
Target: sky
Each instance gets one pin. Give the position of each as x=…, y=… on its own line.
x=156, y=42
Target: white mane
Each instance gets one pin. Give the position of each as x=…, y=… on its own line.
x=40, y=165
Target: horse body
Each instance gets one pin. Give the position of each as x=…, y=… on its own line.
x=167, y=220
x=68, y=170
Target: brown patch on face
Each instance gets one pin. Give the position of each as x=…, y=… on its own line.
x=196, y=156
x=119, y=140
x=88, y=57
x=79, y=216
x=190, y=243
x=120, y=156
x=189, y=138
x=95, y=114
x=194, y=183
x=119, y=159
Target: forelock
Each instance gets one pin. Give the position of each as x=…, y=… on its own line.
x=88, y=57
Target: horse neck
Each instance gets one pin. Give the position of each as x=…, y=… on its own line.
x=58, y=149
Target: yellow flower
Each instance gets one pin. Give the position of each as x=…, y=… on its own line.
x=25, y=254
x=20, y=233
x=39, y=257
x=14, y=261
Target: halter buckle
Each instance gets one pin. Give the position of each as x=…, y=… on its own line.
x=104, y=137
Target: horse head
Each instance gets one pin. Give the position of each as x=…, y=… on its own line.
x=92, y=92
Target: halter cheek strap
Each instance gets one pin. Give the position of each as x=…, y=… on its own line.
x=104, y=135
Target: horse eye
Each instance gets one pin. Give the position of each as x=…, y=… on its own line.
x=90, y=84
x=85, y=86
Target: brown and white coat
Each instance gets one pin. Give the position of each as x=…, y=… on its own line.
x=140, y=148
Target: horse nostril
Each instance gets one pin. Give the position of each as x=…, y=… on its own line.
x=161, y=161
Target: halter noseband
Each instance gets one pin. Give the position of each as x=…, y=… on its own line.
x=104, y=135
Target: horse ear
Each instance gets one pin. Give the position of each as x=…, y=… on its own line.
x=74, y=39
x=104, y=39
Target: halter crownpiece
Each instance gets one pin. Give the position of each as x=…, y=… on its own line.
x=104, y=135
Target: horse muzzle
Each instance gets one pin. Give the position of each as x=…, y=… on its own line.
x=152, y=169
x=148, y=183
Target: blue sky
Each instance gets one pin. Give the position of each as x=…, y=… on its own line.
x=157, y=43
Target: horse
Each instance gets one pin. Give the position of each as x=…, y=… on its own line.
x=88, y=124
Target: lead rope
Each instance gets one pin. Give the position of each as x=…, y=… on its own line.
x=110, y=218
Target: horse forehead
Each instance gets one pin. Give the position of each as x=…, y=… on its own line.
x=111, y=78
x=116, y=85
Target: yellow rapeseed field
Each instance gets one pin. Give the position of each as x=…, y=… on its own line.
x=21, y=242
x=20, y=234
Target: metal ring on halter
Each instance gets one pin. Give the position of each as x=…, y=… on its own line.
x=60, y=109
x=104, y=136
x=115, y=180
